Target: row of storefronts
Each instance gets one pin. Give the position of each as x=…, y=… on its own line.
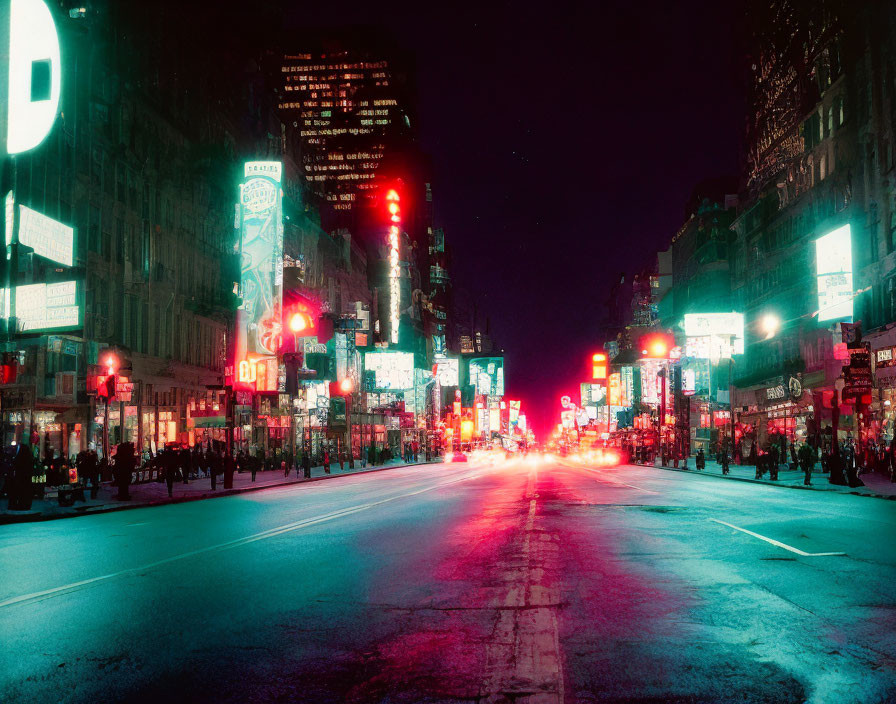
x=846, y=394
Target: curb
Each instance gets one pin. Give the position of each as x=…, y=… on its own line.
x=700, y=473
x=7, y=519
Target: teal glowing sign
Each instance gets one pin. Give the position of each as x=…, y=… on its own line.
x=31, y=77
x=833, y=257
x=259, y=327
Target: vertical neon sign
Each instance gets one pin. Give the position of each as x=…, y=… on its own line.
x=258, y=330
x=392, y=205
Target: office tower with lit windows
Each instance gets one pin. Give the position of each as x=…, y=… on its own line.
x=349, y=106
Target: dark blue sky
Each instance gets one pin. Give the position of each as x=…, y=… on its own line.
x=566, y=139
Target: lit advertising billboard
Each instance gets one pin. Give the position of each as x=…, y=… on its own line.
x=45, y=306
x=261, y=260
x=714, y=335
x=448, y=371
x=394, y=370
x=614, y=389
x=650, y=383
x=593, y=394
x=48, y=237
x=487, y=375
x=833, y=262
x=627, y=376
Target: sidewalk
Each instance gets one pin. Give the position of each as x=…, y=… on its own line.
x=156, y=494
x=876, y=485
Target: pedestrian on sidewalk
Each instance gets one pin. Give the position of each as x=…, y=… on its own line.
x=326, y=461
x=807, y=462
x=893, y=459
x=88, y=468
x=254, y=463
x=306, y=463
x=212, y=460
x=124, y=469
x=229, y=467
x=169, y=462
x=364, y=455
x=21, y=489
x=700, y=460
x=725, y=462
x=342, y=459
x=186, y=463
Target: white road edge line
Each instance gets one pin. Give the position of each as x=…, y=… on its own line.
x=778, y=543
x=270, y=533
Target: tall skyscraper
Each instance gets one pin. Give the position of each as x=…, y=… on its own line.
x=349, y=106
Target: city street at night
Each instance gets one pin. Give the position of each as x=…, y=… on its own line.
x=532, y=579
x=439, y=353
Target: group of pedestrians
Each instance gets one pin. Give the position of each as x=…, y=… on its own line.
x=411, y=451
x=176, y=464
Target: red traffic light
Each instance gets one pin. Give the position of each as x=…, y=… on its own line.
x=106, y=387
x=342, y=388
x=657, y=345
x=300, y=319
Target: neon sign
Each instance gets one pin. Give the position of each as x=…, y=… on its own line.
x=259, y=327
x=261, y=259
x=394, y=209
x=34, y=79
x=246, y=373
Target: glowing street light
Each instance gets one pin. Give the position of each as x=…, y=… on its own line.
x=298, y=322
x=770, y=324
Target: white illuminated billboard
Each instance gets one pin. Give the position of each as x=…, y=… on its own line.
x=833, y=261
x=45, y=306
x=714, y=335
x=48, y=237
x=701, y=324
x=394, y=370
x=448, y=371
x=487, y=375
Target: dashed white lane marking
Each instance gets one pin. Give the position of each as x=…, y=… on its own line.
x=523, y=657
x=263, y=535
x=778, y=543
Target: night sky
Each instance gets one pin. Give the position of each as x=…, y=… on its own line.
x=566, y=139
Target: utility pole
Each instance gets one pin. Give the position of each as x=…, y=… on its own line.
x=661, y=375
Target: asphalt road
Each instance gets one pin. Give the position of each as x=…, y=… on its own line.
x=520, y=581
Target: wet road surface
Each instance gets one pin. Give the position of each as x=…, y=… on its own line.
x=523, y=581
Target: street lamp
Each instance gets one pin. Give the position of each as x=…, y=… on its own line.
x=770, y=324
x=297, y=323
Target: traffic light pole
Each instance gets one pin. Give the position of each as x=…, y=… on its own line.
x=106, y=429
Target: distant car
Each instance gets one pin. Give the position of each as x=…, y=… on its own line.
x=455, y=457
